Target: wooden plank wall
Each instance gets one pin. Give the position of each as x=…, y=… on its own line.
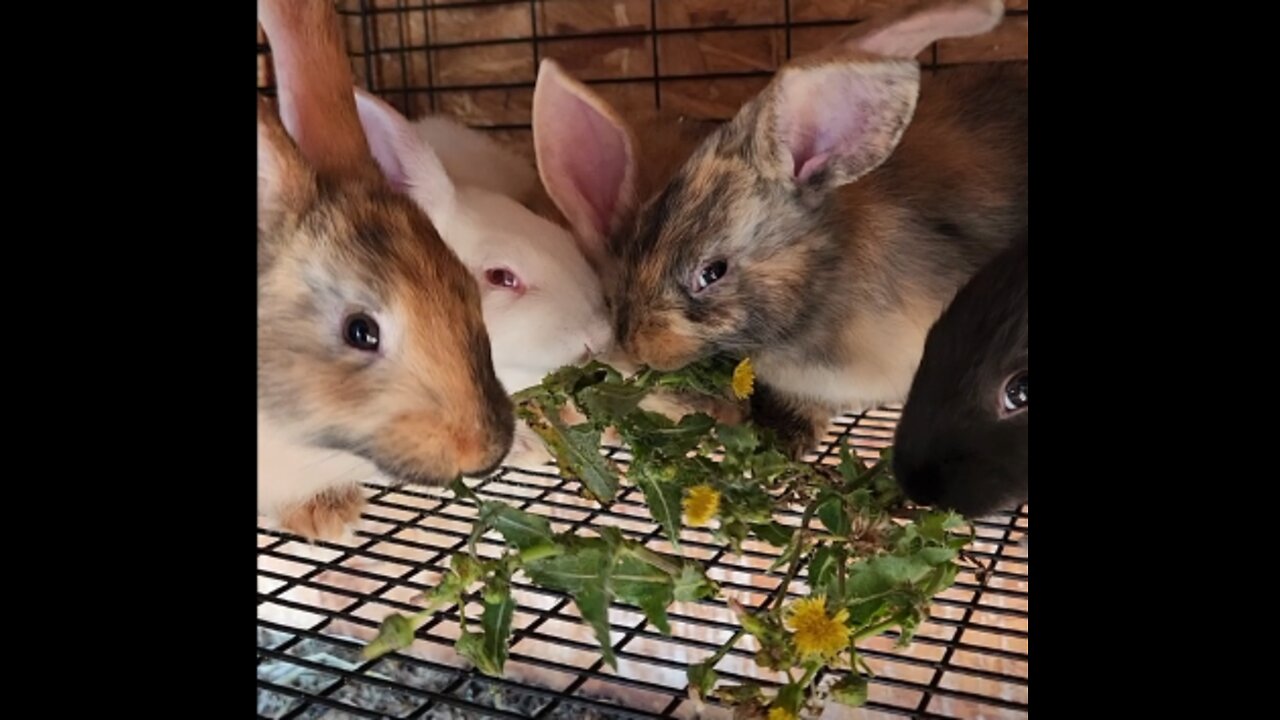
x=478, y=60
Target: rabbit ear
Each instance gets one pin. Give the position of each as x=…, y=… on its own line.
x=284, y=180
x=313, y=84
x=408, y=163
x=907, y=31
x=586, y=157
x=474, y=159
x=838, y=114
x=829, y=124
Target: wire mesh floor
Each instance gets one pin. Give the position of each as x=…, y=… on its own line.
x=319, y=604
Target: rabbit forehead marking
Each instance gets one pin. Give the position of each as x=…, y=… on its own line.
x=364, y=250
x=718, y=209
x=699, y=216
x=367, y=254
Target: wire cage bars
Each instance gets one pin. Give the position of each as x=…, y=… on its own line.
x=318, y=604
x=477, y=59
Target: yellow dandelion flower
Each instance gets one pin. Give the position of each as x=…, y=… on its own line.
x=779, y=713
x=816, y=633
x=701, y=504
x=744, y=378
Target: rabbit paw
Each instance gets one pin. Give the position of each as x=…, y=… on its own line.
x=326, y=516
x=527, y=449
x=799, y=440
x=795, y=425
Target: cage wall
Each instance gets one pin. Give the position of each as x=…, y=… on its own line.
x=477, y=61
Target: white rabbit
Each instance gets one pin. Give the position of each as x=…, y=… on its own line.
x=471, y=157
x=543, y=304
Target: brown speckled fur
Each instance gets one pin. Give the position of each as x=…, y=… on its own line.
x=830, y=288
x=325, y=516
x=426, y=410
x=334, y=239
x=662, y=141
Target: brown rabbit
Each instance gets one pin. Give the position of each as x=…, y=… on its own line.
x=823, y=229
x=372, y=355
x=577, y=189
x=593, y=163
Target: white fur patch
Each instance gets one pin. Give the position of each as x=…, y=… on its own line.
x=560, y=314
x=472, y=158
x=291, y=472
x=889, y=350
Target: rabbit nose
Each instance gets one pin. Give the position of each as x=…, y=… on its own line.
x=922, y=483
x=481, y=448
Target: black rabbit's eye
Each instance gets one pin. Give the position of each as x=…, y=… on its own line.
x=710, y=274
x=361, y=332
x=1015, y=393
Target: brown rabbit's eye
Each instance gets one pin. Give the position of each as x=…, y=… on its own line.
x=1015, y=393
x=710, y=274
x=361, y=332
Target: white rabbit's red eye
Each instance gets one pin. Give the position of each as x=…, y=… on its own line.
x=502, y=277
x=1014, y=396
x=360, y=332
x=709, y=274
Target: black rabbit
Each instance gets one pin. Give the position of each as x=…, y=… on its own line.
x=962, y=439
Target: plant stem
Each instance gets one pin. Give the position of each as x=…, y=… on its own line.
x=654, y=559
x=724, y=649
x=840, y=576
x=874, y=630
x=870, y=472
x=830, y=537
x=809, y=672
x=780, y=592
x=420, y=618
x=538, y=552
x=795, y=560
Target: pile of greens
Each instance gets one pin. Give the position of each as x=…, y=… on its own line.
x=873, y=564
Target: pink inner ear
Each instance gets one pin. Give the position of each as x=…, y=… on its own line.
x=381, y=130
x=601, y=176
x=589, y=151
x=849, y=115
x=821, y=126
x=811, y=166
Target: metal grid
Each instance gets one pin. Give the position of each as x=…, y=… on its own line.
x=318, y=604
x=477, y=59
